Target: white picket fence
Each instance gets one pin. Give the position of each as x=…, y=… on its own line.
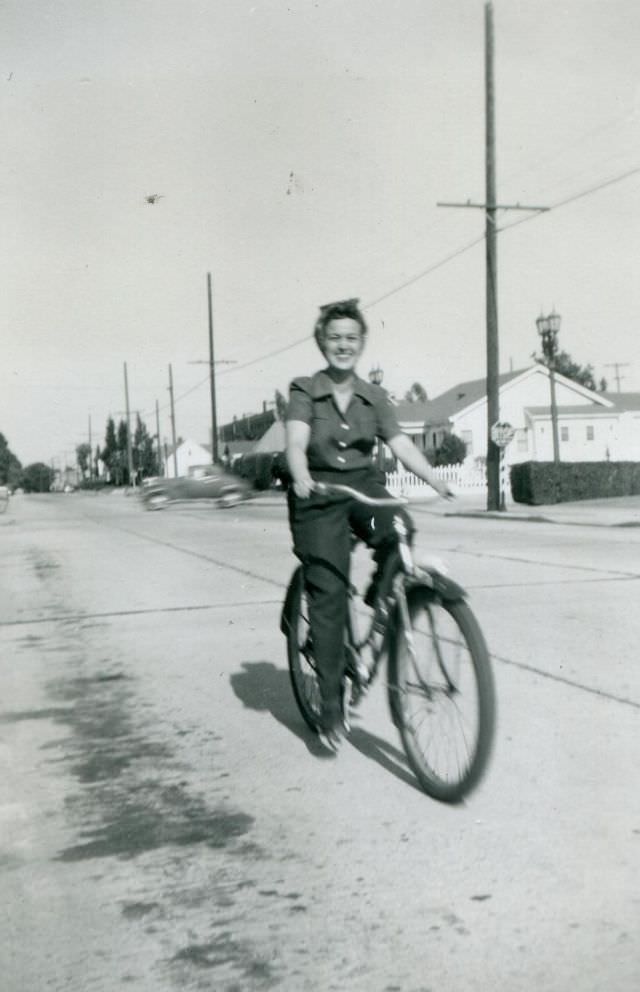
x=461, y=477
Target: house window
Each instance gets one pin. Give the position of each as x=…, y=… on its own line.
x=467, y=437
x=564, y=433
x=590, y=432
x=522, y=440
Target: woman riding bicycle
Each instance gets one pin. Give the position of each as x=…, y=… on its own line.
x=332, y=422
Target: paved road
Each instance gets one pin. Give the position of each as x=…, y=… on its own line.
x=167, y=823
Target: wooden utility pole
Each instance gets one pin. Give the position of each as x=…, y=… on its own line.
x=90, y=452
x=617, y=366
x=493, y=363
x=173, y=425
x=212, y=378
x=491, y=207
x=160, y=469
x=128, y=415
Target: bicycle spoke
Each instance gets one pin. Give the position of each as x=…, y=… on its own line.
x=440, y=699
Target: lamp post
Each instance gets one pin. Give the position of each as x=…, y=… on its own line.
x=548, y=328
x=376, y=375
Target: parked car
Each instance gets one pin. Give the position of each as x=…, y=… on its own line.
x=208, y=482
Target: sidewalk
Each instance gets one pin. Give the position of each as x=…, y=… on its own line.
x=622, y=511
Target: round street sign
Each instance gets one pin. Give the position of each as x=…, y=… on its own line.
x=502, y=433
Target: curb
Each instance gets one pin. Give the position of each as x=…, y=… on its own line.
x=537, y=518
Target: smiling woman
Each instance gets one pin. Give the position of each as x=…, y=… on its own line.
x=333, y=421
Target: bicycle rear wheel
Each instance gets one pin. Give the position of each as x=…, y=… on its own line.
x=443, y=696
x=302, y=665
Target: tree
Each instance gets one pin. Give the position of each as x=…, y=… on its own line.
x=112, y=454
x=83, y=456
x=10, y=467
x=565, y=365
x=416, y=394
x=281, y=405
x=37, y=478
x=452, y=451
x=145, y=459
x=110, y=450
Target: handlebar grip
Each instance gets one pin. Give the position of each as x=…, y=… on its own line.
x=325, y=488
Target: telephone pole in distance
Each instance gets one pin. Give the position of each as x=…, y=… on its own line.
x=617, y=366
x=491, y=207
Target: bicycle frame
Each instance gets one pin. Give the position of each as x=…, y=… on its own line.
x=439, y=682
x=386, y=619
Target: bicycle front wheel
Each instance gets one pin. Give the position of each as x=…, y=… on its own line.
x=443, y=696
x=302, y=665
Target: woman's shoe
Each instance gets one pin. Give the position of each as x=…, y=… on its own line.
x=332, y=729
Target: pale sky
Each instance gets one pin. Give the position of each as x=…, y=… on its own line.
x=300, y=149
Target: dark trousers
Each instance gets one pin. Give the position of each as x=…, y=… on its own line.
x=322, y=529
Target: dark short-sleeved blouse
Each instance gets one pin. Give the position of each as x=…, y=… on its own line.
x=341, y=441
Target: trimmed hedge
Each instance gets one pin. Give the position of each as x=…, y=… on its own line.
x=547, y=482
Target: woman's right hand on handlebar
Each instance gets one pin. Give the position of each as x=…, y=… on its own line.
x=303, y=487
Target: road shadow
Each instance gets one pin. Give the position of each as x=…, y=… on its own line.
x=263, y=687
x=384, y=754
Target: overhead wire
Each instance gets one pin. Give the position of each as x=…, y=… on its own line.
x=439, y=264
x=463, y=249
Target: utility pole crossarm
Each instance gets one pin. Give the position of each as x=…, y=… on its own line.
x=496, y=206
x=617, y=366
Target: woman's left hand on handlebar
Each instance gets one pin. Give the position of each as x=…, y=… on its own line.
x=443, y=490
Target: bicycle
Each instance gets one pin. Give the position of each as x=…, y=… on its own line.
x=440, y=685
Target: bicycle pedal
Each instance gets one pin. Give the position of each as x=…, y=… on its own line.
x=358, y=692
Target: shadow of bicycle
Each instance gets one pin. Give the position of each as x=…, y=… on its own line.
x=263, y=687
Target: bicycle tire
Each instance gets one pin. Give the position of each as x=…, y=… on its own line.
x=426, y=695
x=302, y=670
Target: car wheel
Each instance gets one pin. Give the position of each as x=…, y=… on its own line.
x=230, y=497
x=156, y=502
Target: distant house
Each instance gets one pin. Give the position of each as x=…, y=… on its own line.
x=271, y=442
x=591, y=426
x=189, y=455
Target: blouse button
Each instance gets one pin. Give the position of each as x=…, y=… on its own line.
x=341, y=459
x=342, y=444
x=345, y=427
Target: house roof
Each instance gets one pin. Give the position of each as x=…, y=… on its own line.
x=272, y=441
x=235, y=447
x=573, y=411
x=443, y=407
x=186, y=441
x=624, y=401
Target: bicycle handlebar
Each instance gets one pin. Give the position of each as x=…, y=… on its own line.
x=330, y=487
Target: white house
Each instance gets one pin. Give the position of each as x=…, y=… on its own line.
x=591, y=426
x=189, y=454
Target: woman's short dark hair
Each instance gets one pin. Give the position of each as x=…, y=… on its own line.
x=335, y=311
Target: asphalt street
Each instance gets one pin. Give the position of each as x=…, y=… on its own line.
x=167, y=822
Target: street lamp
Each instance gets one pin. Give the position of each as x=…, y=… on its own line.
x=376, y=375
x=548, y=328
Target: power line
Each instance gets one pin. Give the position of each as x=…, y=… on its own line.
x=420, y=275
x=577, y=196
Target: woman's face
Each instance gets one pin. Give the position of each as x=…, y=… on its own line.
x=343, y=343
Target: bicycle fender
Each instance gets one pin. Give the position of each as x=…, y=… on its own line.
x=443, y=587
x=293, y=593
